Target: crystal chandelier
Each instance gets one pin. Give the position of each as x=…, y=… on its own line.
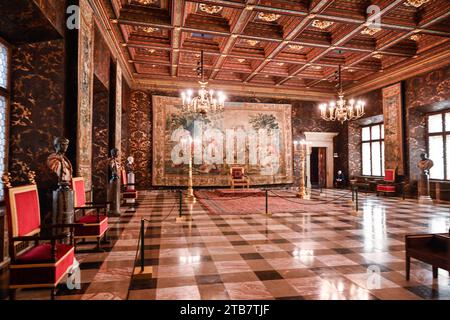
x=206, y=101
x=341, y=110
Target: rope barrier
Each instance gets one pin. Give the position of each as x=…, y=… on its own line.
x=310, y=204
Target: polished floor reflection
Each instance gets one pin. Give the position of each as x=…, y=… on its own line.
x=308, y=254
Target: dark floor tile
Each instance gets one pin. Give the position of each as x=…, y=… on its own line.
x=268, y=275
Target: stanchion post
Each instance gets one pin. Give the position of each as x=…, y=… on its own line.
x=353, y=193
x=142, y=245
x=180, y=206
x=357, y=199
x=267, y=201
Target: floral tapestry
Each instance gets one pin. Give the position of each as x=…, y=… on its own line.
x=85, y=93
x=256, y=136
x=393, y=129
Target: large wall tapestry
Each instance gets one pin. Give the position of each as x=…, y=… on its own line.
x=393, y=129
x=257, y=136
x=85, y=92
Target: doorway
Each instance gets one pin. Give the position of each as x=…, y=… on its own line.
x=318, y=167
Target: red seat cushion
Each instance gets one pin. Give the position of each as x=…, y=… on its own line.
x=130, y=194
x=91, y=219
x=385, y=188
x=43, y=253
x=92, y=228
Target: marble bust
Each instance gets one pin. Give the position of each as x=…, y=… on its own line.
x=59, y=163
x=425, y=164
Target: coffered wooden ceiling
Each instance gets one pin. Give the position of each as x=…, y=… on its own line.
x=273, y=44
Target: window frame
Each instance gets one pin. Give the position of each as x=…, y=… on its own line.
x=6, y=93
x=445, y=131
x=370, y=141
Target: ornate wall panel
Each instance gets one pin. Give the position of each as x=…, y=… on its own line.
x=118, y=116
x=429, y=89
x=101, y=58
x=37, y=108
x=85, y=89
x=393, y=128
x=140, y=138
x=100, y=141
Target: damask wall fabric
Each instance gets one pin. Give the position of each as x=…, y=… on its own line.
x=85, y=93
x=139, y=136
x=37, y=110
x=100, y=136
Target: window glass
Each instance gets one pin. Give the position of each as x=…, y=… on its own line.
x=376, y=158
x=2, y=141
x=447, y=121
x=365, y=133
x=3, y=66
x=436, y=153
x=435, y=123
x=366, y=167
x=375, y=132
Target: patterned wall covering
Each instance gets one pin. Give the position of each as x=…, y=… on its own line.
x=139, y=138
x=37, y=115
x=427, y=89
x=136, y=132
x=100, y=141
x=125, y=120
x=101, y=58
x=85, y=89
x=118, y=113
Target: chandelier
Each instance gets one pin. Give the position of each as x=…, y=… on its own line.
x=341, y=110
x=415, y=3
x=206, y=101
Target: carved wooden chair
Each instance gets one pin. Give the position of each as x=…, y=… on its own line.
x=43, y=264
x=88, y=226
x=238, y=177
x=129, y=192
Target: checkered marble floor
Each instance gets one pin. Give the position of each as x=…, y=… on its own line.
x=337, y=254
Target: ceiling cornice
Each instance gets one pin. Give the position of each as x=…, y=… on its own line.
x=434, y=59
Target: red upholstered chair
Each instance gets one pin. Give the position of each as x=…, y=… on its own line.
x=42, y=265
x=238, y=177
x=129, y=192
x=89, y=225
x=388, y=185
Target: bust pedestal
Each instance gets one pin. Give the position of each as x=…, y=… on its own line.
x=114, y=196
x=63, y=211
x=424, y=187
